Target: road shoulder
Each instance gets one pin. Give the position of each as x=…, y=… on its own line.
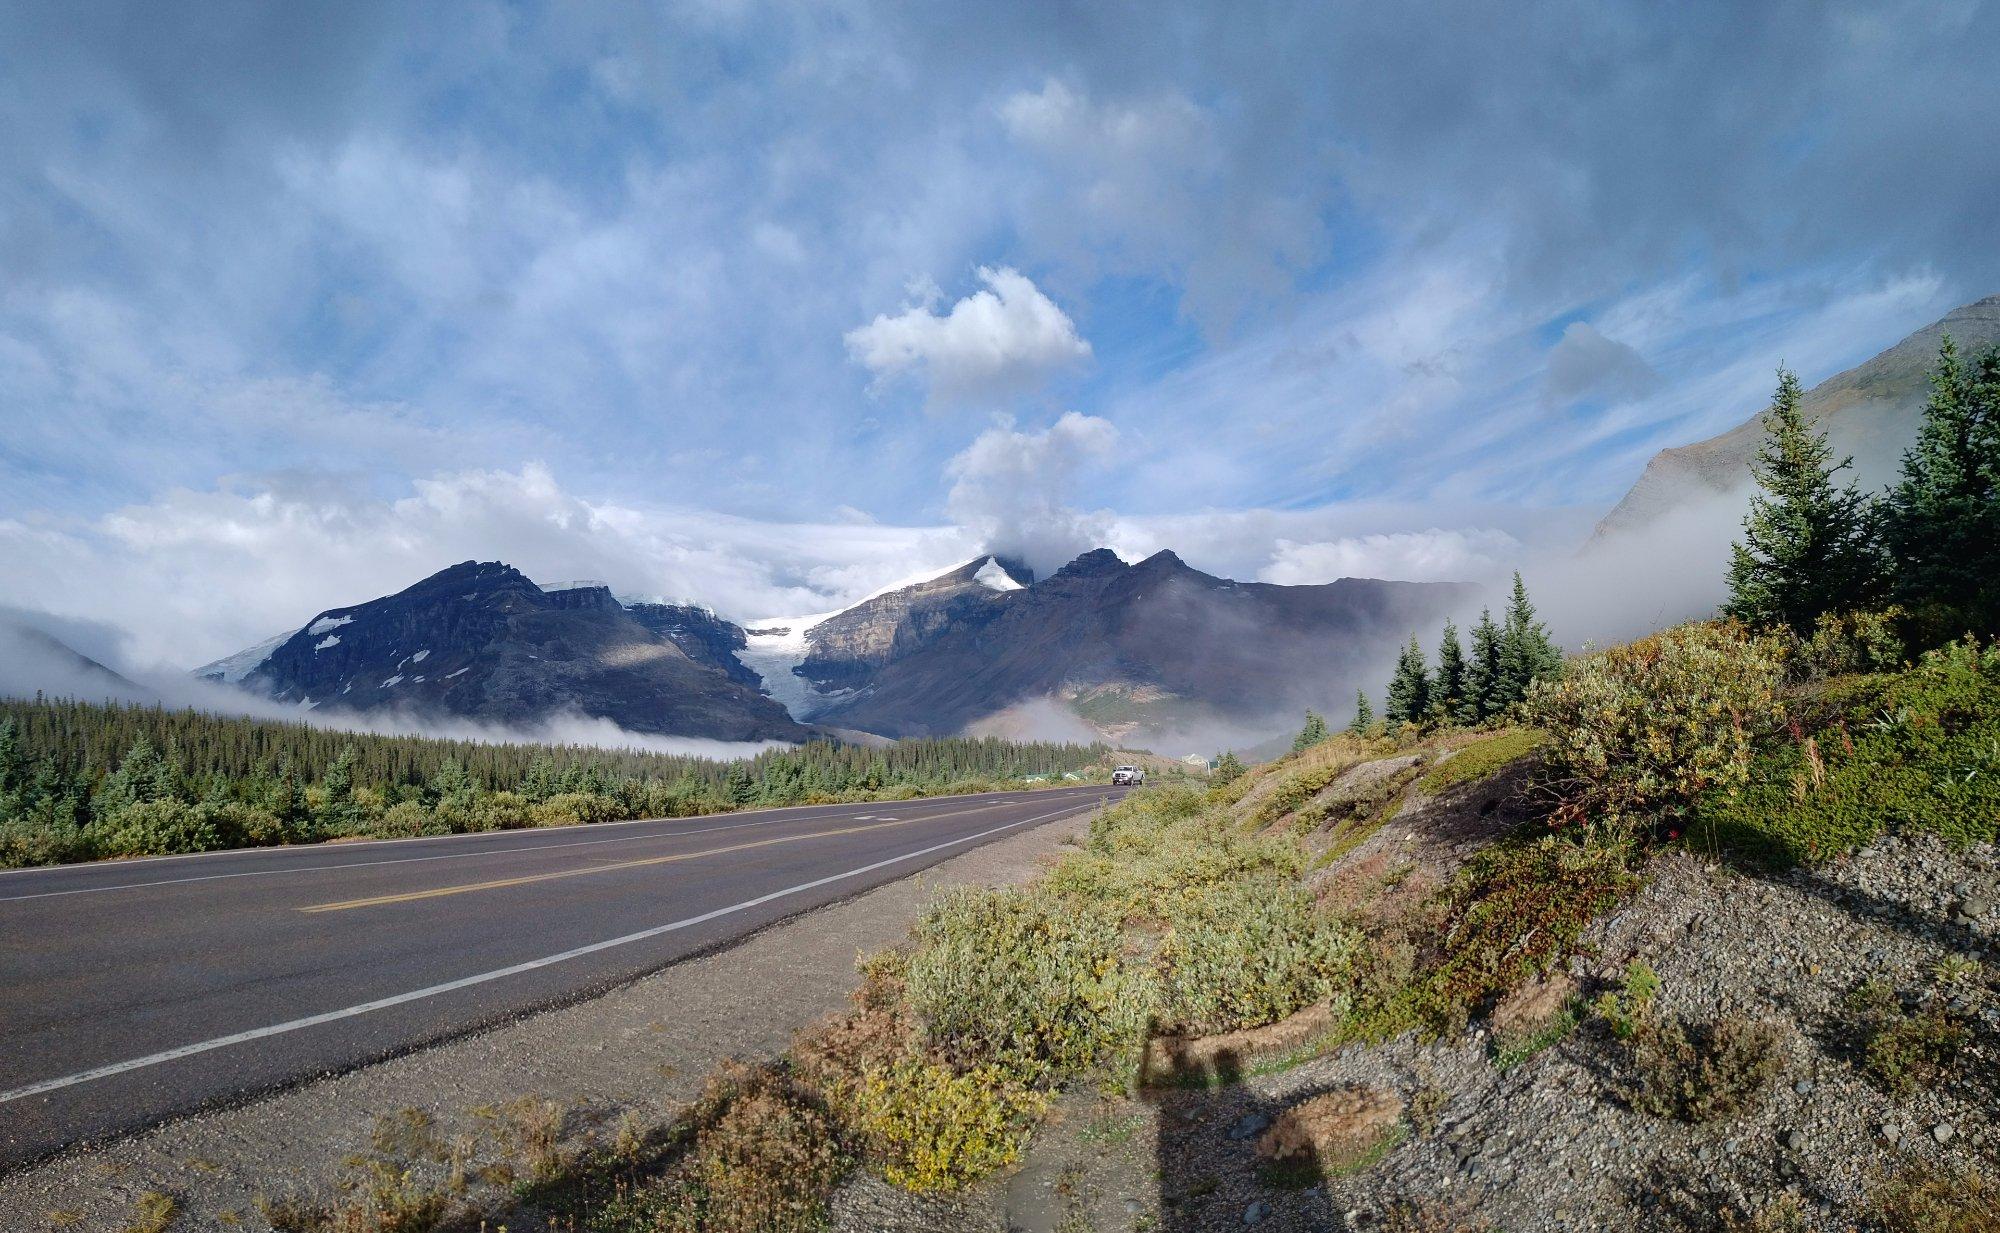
x=645, y=1047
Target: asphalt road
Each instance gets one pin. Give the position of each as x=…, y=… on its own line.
x=136, y=991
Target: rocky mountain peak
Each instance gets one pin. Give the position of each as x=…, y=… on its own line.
x=1097, y=563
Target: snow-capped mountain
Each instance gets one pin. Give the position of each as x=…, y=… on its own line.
x=1154, y=653
x=481, y=641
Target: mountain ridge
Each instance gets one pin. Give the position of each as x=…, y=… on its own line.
x=1870, y=411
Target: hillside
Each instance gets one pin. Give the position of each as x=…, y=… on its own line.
x=1870, y=411
x=1439, y=979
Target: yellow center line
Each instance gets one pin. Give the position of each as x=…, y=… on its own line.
x=526, y=879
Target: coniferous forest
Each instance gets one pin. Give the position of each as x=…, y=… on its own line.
x=81, y=780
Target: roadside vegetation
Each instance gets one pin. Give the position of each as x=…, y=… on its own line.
x=84, y=781
x=1450, y=869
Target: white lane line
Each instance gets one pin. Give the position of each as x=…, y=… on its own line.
x=412, y=860
x=466, y=982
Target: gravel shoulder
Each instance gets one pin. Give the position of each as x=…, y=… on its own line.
x=644, y=1047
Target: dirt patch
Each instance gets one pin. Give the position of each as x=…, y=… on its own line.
x=1221, y=1058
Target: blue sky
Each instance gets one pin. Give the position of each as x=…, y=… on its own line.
x=769, y=304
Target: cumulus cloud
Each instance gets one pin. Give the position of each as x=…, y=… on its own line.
x=993, y=343
x=1435, y=555
x=1586, y=364
x=1013, y=489
x=194, y=575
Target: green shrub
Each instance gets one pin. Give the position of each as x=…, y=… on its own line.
x=1515, y=913
x=1625, y=1010
x=1481, y=758
x=1153, y=847
x=1027, y=979
x=1918, y=749
x=1247, y=953
x=1850, y=642
x=1700, y=1072
x=1639, y=733
x=933, y=1128
x=573, y=808
x=157, y=828
x=499, y=811
x=1904, y=1049
x=403, y=820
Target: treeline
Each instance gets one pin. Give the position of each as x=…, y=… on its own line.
x=1926, y=552
x=1468, y=687
x=84, y=780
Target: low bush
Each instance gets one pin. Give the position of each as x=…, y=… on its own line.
x=1929, y=1198
x=1638, y=734
x=933, y=1128
x=1702, y=1071
x=1481, y=758
x=1904, y=1048
x=763, y=1160
x=1027, y=979
x=1625, y=1009
x=1917, y=749
x=165, y=827
x=1249, y=953
x=1515, y=913
x=1850, y=642
x=574, y=808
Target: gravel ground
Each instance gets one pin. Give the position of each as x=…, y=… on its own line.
x=646, y=1047
x=1551, y=1144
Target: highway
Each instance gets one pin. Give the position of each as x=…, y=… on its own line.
x=136, y=991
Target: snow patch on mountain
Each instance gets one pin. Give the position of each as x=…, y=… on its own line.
x=231, y=669
x=326, y=625
x=995, y=577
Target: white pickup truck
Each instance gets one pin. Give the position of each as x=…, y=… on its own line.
x=1128, y=776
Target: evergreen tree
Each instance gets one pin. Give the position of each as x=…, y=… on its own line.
x=1482, y=672
x=1526, y=651
x=1410, y=688
x=13, y=759
x=1364, y=715
x=1448, y=695
x=450, y=782
x=1312, y=734
x=341, y=813
x=1228, y=768
x=1941, y=521
x=1808, y=546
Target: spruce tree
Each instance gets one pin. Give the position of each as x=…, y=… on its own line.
x=1482, y=672
x=1364, y=715
x=1312, y=734
x=1448, y=694
x=1410, y=689
x=1941, y=520
x=1808, y=546
x=1228, y=768
x=1526, y=652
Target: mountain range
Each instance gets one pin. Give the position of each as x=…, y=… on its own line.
x=1144, y=653
x=1149, y=653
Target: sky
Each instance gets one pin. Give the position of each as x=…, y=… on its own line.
x=765, y=305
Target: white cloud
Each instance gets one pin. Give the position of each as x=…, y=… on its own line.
x=992, y=343
x=1434, y=555
x=191, y=576
x=1013, y=489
